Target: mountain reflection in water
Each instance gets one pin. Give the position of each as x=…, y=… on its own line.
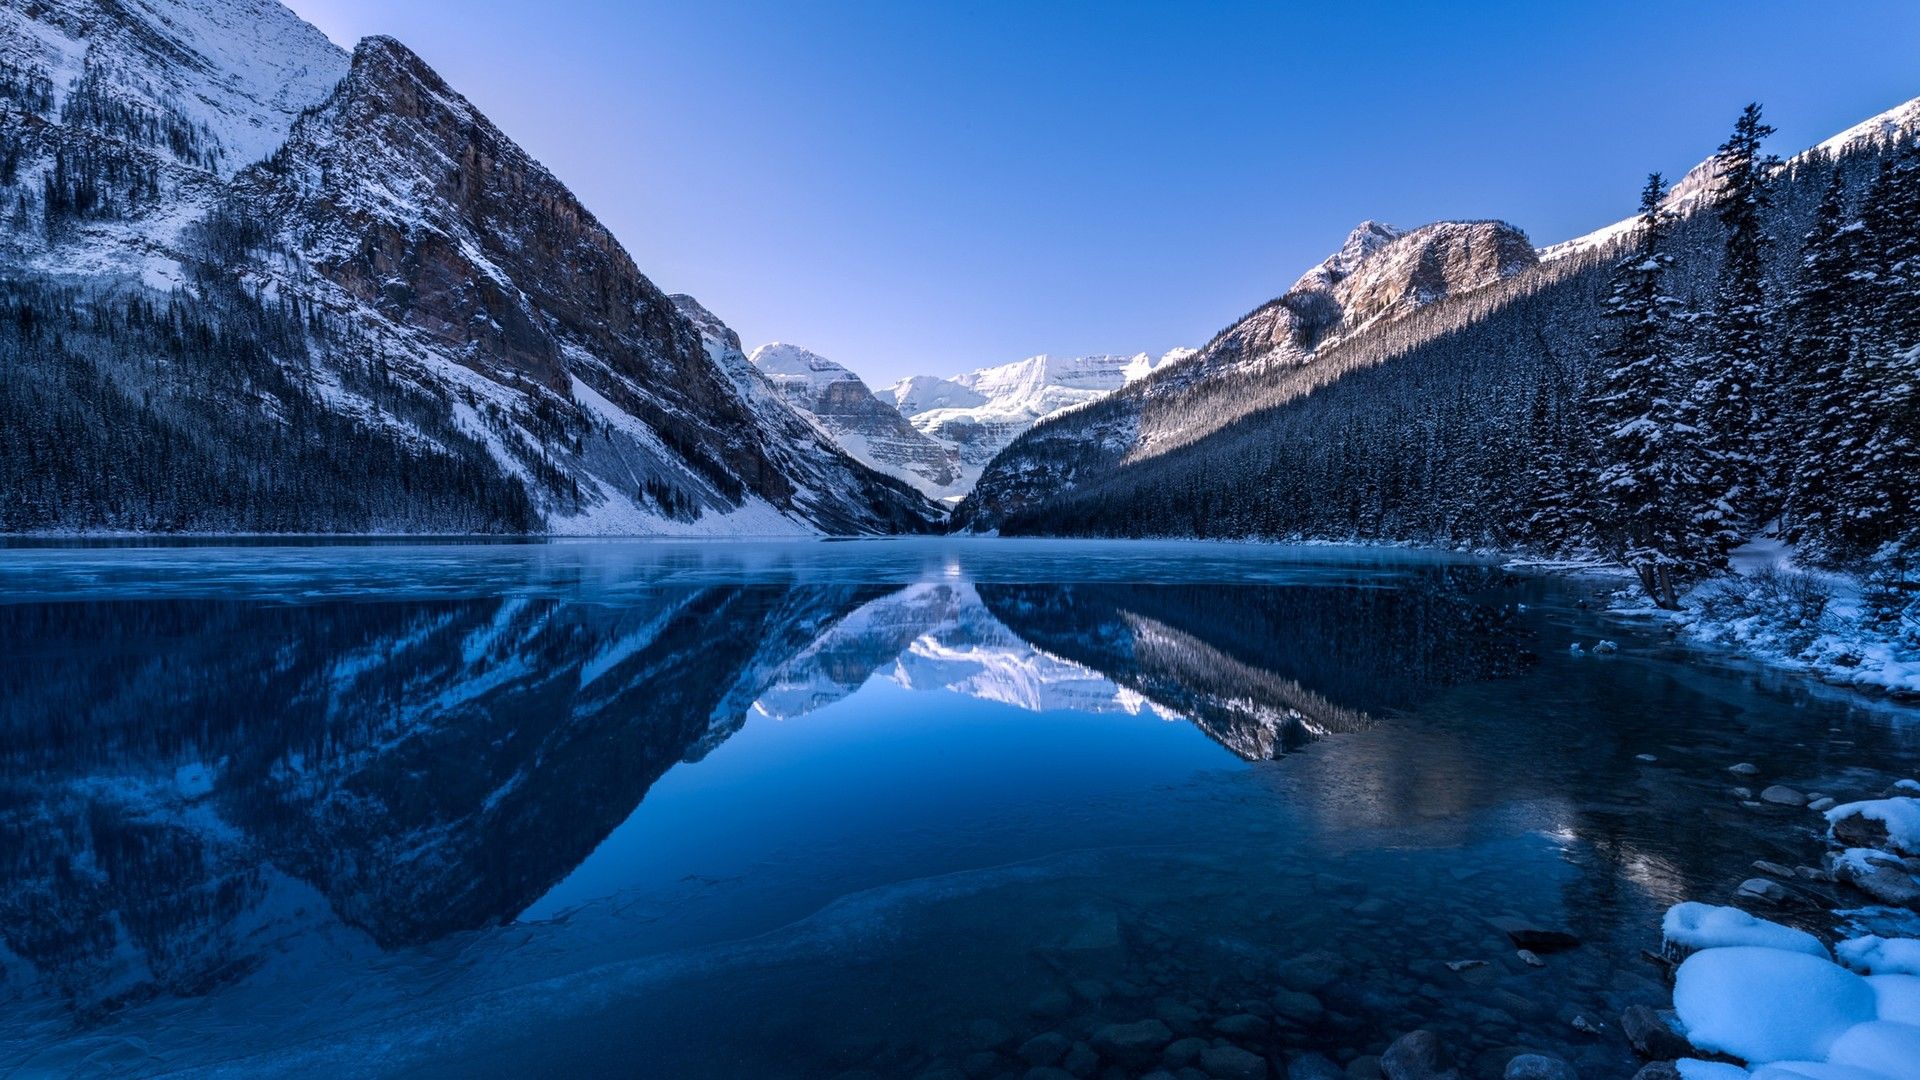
x=280, y=807
x=181, y=772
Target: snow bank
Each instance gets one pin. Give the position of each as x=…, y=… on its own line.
x=1693, y=1069
x=1898, y=997
x=1816, y=1070
x=1900, y=815
x=1883, y=1046
x=1710, y=926
x=1807, y=620
x=1874, y=955
x=1769, y=1005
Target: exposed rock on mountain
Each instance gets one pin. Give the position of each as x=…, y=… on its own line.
x=419, y=294
x=1445, y=395
x=1379, y=276
x=869, y=429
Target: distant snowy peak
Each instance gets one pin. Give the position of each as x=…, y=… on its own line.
x=783, y=363
x=916, y=394
x=980, y=412
x=1695, y=189
x=227, y=78
x=867, y=427
x=1039, y=385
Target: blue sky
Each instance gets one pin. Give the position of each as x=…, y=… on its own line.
x=919, y=187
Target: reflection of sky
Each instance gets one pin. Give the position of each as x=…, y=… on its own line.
x=879, y=776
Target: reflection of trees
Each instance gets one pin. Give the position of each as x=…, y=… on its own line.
x=428, y=767
x=1265, y=668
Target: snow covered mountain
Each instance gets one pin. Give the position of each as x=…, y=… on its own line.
x=938, y=636
x=866, y=427
x=978, y=413
x=377, y=312
x=1378, y=277
x=1435, y=387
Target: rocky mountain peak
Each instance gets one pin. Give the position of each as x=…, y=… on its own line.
x=1366, y=238
x=1429, y=264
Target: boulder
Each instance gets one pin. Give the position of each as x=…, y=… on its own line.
x=1781, y=795
x=1745, y=768
x=1135, y=1045
x=1297, y=1007
x=1313, y=1067
x=1184, y=1052
x=1763, y=889
x=1416, y=1056
x=1240, y=1026
x=1045, y=1048
x=1887, y=882
x=1233, y=1063
x=1651, y=1036
x=1539, y=1067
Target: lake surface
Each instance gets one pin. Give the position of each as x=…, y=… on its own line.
x=890, y=808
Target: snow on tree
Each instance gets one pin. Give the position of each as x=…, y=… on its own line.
x=1736, y=377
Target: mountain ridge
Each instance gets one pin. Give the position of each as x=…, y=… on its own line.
x=423, y=289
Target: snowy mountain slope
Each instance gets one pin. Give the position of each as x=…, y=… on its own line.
x=1695, y=188
x=978, y=413
x=866, y=427
x=229, y=75
x=420, y=288
x=1379, y=278
x=1464, y=421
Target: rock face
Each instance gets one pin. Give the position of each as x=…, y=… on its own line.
x=1379, y=275
x=434, y=290
x=869, y=429
x=1379, y=272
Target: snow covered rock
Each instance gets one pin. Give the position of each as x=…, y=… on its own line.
x=1815, y=1070
x=1874, y=955
x=1763, y=1005
x=1898, y=997
x=1890, y=823
x=1878, y=874
x=1695, y=1069
x=1693, y=926
x=1883, y=1046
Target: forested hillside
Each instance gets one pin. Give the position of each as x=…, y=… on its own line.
x=252, y=283
x=1760, y=346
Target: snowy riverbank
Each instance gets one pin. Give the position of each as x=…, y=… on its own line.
x=1755, y=994
x=1814, y=621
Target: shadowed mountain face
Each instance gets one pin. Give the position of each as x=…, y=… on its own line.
x=194, y=785
x=175, y=799
x=1266, y=670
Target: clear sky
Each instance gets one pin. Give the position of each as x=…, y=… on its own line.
x=910, y=186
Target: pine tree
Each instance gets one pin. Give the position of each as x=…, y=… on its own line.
x=1645, y=492
x=1734, y=387
x=1878, y=499
x=1823, y=448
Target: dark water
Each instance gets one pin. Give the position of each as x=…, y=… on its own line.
x=876, y=809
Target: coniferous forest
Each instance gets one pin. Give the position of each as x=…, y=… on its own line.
x=1742, y=371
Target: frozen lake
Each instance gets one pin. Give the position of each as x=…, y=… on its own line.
x=890, y=808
